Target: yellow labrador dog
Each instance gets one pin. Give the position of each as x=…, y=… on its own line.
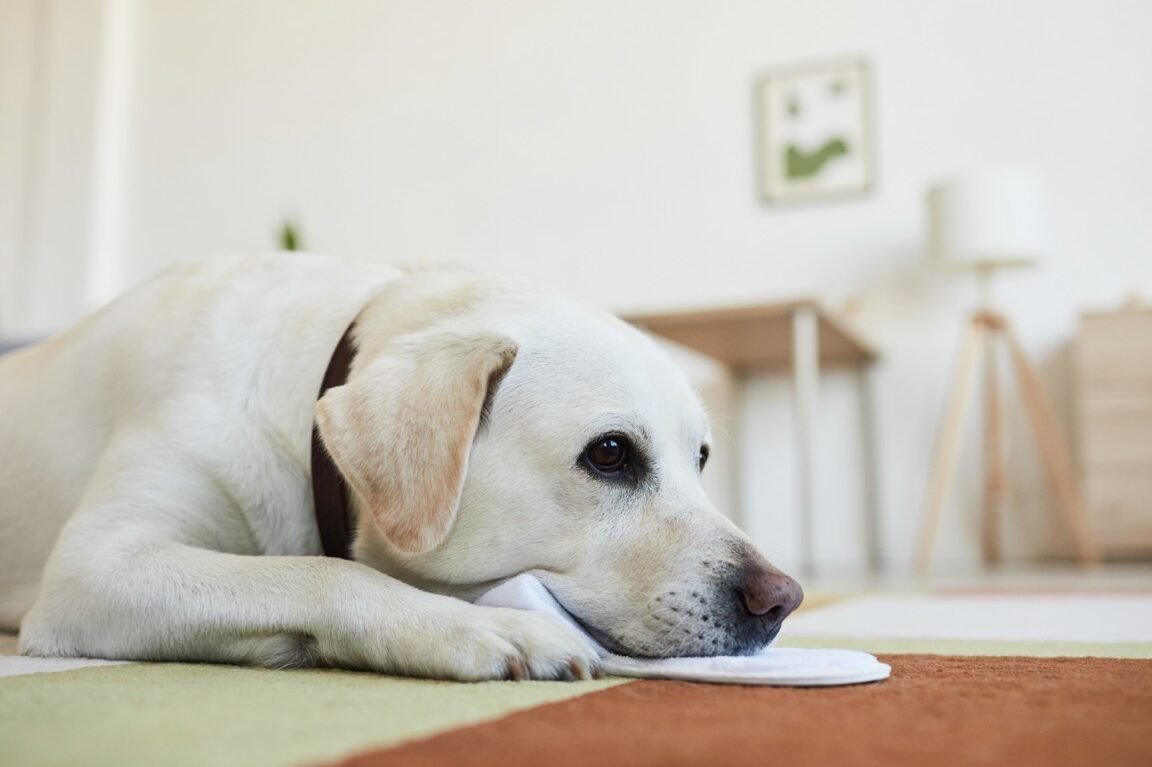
x=156, y=491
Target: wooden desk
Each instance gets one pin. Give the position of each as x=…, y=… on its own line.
x=801, y=338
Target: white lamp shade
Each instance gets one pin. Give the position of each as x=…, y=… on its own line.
x=987, y=221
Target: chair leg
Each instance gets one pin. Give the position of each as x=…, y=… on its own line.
x=948, y=443
x=1052, y=451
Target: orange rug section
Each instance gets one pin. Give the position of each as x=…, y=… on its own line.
x=952, y=710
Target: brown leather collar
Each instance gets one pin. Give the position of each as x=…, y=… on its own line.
x=329, y=491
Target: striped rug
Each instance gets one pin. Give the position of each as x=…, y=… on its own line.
x=977, y=679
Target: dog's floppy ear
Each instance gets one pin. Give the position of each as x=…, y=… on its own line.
x=401, y=430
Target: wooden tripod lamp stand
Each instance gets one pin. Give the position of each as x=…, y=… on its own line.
x=985, y=224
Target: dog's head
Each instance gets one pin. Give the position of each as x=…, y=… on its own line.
x=489, y=431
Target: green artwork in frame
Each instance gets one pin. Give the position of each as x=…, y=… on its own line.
x=814, y=136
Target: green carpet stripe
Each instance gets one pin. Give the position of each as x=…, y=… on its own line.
x=976, y=647
x=219, y=716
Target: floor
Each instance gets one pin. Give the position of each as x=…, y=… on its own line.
x=1110, y=577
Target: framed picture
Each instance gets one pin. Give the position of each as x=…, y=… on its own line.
x=814, y=132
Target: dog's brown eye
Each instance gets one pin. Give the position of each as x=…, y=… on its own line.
x=608, y=455
x=703, y=459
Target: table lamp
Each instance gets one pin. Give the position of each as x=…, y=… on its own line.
x=984, y=224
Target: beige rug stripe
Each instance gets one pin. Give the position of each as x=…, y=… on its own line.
x=219, y=716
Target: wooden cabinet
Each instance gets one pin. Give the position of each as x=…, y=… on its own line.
x=1114, y=411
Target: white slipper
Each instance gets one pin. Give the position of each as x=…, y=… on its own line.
x=784, y=667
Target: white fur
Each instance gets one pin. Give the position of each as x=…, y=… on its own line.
x=155, y=482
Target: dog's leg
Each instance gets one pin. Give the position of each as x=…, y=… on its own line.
x=118, y=586
x=176, y=602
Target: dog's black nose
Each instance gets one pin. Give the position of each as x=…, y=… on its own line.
x=769, y=595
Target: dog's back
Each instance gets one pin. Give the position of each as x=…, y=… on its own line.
x=63, y=400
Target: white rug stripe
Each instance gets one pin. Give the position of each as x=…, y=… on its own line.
x=1051, y=618
x=18, y=665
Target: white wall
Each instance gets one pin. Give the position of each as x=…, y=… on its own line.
x=607, y=146
x=50, y=68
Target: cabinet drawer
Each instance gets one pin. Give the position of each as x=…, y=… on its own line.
x=1115, y=347
x=1116, y=425
x=1119, y=509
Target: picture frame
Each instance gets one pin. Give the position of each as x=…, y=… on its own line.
x=814, y=132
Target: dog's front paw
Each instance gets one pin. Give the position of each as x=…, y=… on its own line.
x=485, y=643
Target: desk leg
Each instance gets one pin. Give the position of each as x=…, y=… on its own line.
x=806, y=380
x=869, y=471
